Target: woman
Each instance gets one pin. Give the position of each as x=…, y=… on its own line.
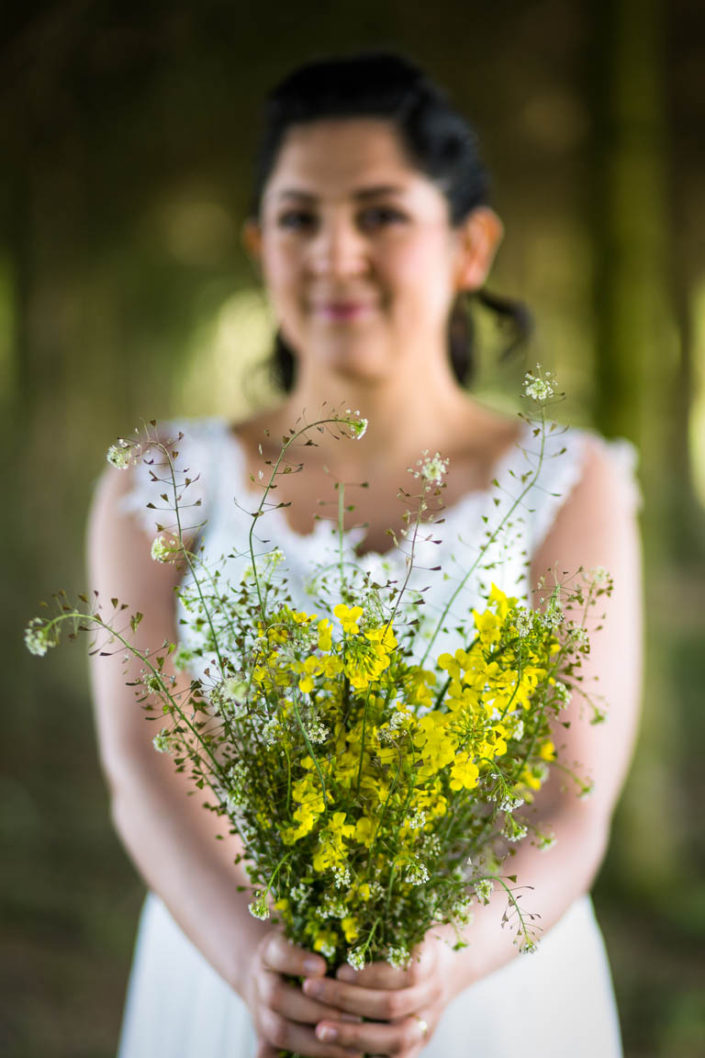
x=370, y=224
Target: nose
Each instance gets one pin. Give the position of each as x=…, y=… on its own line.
x=338, y=249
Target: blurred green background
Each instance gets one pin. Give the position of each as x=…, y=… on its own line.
x=127, y=132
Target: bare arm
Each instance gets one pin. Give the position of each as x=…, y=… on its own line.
x=169, y=835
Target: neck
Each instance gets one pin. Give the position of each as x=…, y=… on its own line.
x=405, y=415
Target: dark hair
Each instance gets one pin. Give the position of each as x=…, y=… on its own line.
x=437, y=139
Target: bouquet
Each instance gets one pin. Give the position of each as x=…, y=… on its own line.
x=378, y=785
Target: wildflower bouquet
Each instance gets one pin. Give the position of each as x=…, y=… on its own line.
x=377, y=785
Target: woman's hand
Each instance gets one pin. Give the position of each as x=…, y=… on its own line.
x=404, y=1006
x=283, y=1016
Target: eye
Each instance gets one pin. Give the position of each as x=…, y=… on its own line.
x=296, y=220
x=380, y=217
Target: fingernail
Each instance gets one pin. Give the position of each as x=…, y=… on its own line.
x=312, y=987
x=346, y=973
x=314, y=966
x=326, y=1033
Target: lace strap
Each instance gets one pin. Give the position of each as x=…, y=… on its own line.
x=562, y=469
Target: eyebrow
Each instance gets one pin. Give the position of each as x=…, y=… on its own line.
x=361, y=195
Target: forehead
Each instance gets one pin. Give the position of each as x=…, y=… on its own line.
x=335, y=158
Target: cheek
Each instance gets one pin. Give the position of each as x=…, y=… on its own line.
x=281, y=269
x=423, y=267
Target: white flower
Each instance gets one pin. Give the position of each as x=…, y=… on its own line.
x=342, y=877
x=317, y=731
x=163, y=742
x=514, y=831
x=509, y=802
x=38, y=637
x=123, y=454
x=356, y=958
x=416, y=873
x=524, y=622
x=164, y=549
x=357, y=425
x=526, y=945
x=258, y=907
x=483, y=890
x=398, y=956
x=562, y=692
x=431, y=468
x=540, y=385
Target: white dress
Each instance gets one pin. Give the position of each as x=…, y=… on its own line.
x=555, y=1003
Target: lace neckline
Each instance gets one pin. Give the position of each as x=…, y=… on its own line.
x=324, y=529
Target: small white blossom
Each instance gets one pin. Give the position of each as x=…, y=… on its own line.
x=38, y=637
x=483, y=890
x=539, y=385
x=398, y=956
x=509, y=802
x=599, y=575
x=356, y=958
x=514, y=831
x=431, y=468
x=416, y=873
x=562, y=693
x=123, y=454
x=163, y=549
x=270, y=732
x=579, y=637
x=526, y=945
x=357, y=425
x=153, y=682
x=342, y=877
x=258, y=907
x=163, y=741
x=524, y=622
x=317, y=731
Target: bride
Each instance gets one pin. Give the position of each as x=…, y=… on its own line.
x=370, y=224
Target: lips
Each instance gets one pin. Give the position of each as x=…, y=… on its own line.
x=342, y=310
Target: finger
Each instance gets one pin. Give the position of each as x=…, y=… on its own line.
x=378, y=1004
x=291, y=1003
x=399, y=1037
x=382, y=975
x=278, y=954
x=288, y=1036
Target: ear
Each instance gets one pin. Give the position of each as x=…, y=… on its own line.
x=480, y=235
x=252, y=239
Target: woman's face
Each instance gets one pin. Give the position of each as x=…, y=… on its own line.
x=358, y=255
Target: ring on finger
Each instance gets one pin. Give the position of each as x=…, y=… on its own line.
x=423, y=1025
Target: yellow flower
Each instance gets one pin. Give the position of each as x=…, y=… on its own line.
x=464, y=773
x=350, y=928
x=364, y=831
x=325, y=636
x=547, y=751
x=348, y=617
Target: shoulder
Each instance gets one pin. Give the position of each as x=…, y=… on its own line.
x=169, y=459
x=587, y=507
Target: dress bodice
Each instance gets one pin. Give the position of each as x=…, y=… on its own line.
x=527, y=493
